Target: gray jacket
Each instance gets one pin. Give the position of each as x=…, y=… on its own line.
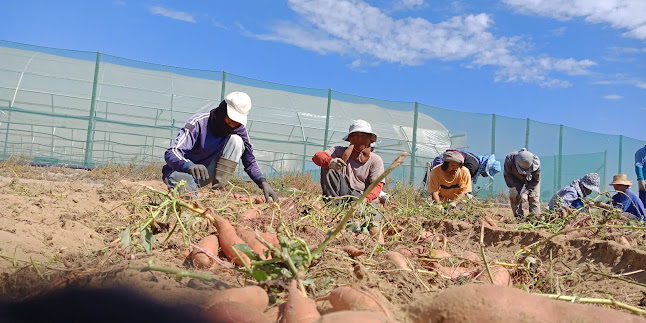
x=514, y=178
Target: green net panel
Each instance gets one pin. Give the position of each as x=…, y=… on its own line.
x=83, y=108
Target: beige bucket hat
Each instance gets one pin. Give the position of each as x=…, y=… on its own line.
x=621, y=179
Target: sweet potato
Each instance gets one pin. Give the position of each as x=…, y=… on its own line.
x=273, y=313
x=500, y=275
x=455, y=272
x=439, y=253
x=347, y=153
x=199, y=258
x=299, y=308
x=271, y=238
x=353, y=251
x=412, y=251
x=489, y=221
x=357, y=297
x=354, y=317
x=490, y=303
x=228, y=238
x=376, y=234
x=249, y=214
x=624, y=242
x=398, y=259
x=249, y=238
x=250, y=295
x=233, y=312
x=426, y=236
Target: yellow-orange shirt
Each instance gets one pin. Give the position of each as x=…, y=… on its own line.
x=449, y=188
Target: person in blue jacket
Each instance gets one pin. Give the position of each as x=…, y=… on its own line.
x=625, y=199
x=570, y=198
x=209, y=146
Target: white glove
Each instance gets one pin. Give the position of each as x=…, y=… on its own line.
x=642, y=185
x=337, y=164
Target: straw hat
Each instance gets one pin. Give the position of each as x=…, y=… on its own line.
x=621, y=179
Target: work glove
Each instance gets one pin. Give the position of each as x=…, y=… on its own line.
x=337, y=164
x=199, y=172
x=642, y=185
x=269, y=192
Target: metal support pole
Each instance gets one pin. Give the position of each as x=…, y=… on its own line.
x=327, y=117
x=560, y=154
x=527, y=135
x=304, y=155
x=224, y=84
x=413, y=153
x=89, y=142
x=621, y=146
x=605, y=168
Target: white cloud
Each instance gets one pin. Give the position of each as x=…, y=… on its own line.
x=613, y=97
x=177, y=15
x=641, y=85
x=629, y=15
x=559, y=31
x=409, y=4
x=119, y=3
x=355, y=28
x=622, y=79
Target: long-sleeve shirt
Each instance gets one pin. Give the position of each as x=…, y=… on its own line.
x=195, y=144
x=629, y=202
x=640, y=160
x=513, y=178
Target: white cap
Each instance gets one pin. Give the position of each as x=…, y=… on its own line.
x=238, y=106
x=361, y=126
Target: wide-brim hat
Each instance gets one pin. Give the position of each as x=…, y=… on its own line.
x=493, y=166
x=361, y=126
x=591, y=181
x=238, y=106
x=621, y=179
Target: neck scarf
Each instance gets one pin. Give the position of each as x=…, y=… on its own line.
x=217, y=125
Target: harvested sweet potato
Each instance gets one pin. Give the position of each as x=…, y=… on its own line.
x=250, y=295
x=249, y=238
x=354, y=317
x=398, y=259
x=228, y=238
x=412, y=251
x=353, y=251
x=249, y=214
x=489, y=221
x=299, y=308
x=357, y=297
x=376, y=234
x=500, y=275
x=271, y=238
x=490, y=303
x=455, y=272
x=233, y=312
x=202, y=260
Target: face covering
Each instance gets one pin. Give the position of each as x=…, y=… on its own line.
x=217, y=125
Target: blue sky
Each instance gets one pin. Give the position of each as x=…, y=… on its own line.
x=580, y=63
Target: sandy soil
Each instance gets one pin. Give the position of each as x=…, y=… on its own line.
x=60, y=228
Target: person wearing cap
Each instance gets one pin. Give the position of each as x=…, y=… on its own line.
x=523, y=169
x=625, y=199
x=570, y=197
x=210, y=145
x=351, y=177
x=485, y=166
x=640, y=161
x=449, y=180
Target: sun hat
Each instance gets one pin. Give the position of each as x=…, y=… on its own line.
x=361, y=126
x=492, y=167
x=591, y=181
x=621, y=179
x=453, y=156
x=524, y=159
x=238, y=106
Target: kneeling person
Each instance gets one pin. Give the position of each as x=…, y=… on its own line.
x=449, y=180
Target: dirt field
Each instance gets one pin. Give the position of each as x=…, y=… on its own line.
x=60, y=227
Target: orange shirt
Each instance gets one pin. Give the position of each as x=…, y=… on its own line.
x=449, y=188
